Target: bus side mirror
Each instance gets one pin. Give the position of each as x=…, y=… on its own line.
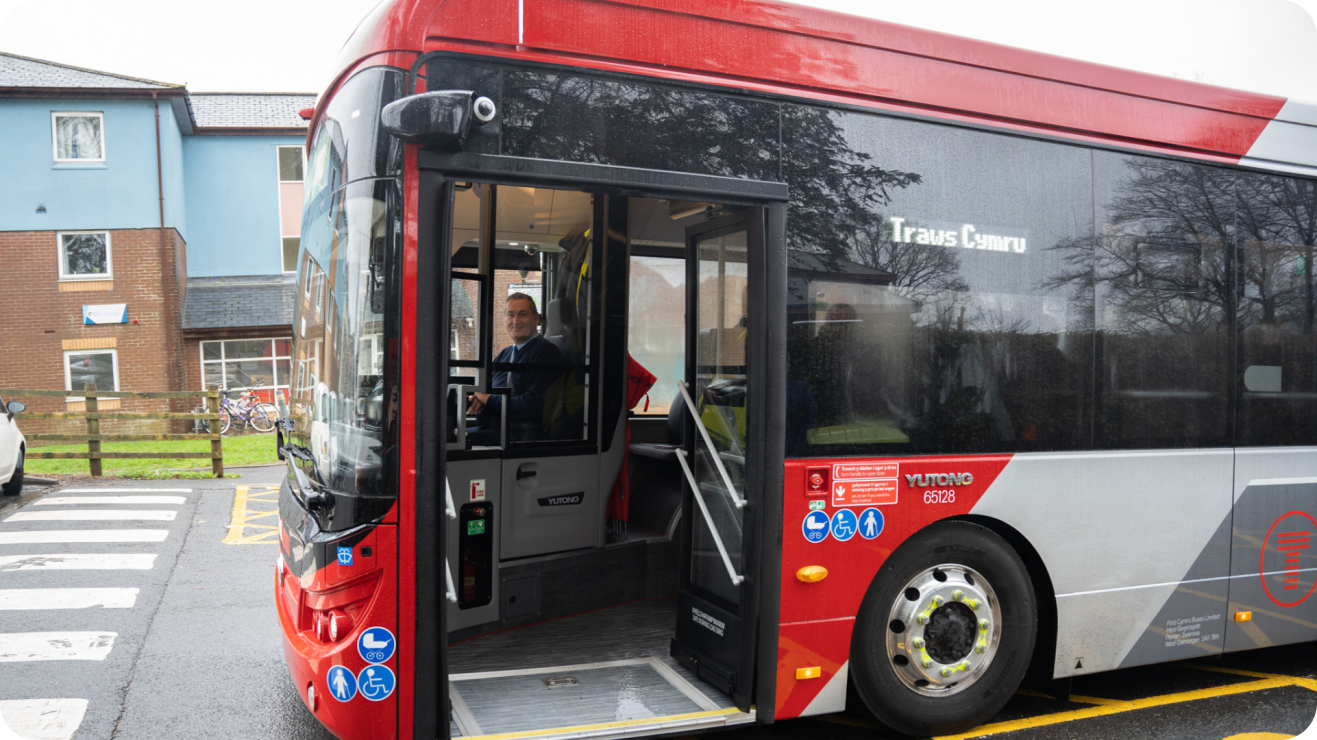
x=441, y=118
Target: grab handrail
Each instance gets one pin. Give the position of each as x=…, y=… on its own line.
x=713, y=451
x=451, y=511
x=708, y=519
x=452, y=592
x=449, y=508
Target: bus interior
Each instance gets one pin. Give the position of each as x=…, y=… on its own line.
x=564, y=584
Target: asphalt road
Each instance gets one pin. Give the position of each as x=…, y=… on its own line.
x=176, y=636
x=196, y=653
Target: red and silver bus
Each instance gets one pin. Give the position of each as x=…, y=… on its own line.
x=976, y=368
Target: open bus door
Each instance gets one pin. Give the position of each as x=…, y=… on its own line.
x=718, y=586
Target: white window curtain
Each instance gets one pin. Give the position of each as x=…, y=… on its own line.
x=78, y=137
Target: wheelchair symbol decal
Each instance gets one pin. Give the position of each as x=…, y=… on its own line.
x=376, y=682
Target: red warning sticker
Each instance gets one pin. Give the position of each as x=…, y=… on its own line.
x=864, y=492
x=864, y=471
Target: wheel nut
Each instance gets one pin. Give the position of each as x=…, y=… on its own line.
x=918, y=642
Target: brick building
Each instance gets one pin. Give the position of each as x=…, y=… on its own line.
x=146, y=232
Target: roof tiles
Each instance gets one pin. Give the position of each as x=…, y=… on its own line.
x=250, y=110
x=19, y=71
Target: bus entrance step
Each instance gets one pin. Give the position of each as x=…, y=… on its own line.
x=619, y=698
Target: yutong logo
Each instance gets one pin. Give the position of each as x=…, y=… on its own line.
x=567, y=499
x=939, y=479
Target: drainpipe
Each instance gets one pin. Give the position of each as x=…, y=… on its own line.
x=166, y=279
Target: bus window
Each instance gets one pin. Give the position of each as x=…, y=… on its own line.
x=656, y=320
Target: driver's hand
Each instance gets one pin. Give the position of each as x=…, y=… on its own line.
x=478, y=402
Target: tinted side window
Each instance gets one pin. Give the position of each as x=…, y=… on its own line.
x=1277, y=217
x=1162, y=272
x=936, y=292
x=587, y=119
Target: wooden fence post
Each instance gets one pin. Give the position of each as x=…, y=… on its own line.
x=93, y=428
x=216, y=446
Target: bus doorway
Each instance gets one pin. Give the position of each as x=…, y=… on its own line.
x=560, y=621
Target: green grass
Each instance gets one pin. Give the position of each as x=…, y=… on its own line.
x=246, y=449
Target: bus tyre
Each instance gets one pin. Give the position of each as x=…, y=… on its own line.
x=945, y=632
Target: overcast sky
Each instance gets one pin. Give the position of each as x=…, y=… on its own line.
x=289, y=45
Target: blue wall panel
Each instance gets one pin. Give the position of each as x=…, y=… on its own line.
x=120, y=193
x=232, y=185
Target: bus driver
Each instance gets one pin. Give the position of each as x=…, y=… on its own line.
x=527, y=389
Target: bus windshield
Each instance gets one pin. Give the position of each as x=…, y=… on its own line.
x=345, y=389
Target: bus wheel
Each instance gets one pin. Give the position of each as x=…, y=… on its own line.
x=945, y=632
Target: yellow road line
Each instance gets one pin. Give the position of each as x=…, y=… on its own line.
x=1117, y=707
x=1307, y=683
x=254, y=525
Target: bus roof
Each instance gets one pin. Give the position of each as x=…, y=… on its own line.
x=780, y=48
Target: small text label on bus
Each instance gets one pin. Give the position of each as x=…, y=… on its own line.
x=966, y=236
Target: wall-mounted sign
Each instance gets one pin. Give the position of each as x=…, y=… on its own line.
x=534, y=290
x=965, y=235
x=107, y=313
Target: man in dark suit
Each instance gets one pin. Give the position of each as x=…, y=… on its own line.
x=528, y=389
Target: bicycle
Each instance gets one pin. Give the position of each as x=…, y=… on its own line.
x=249, y=409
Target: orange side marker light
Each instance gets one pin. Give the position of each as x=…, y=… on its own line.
x=810, y=672
x=1243, y=616
x=812, y=573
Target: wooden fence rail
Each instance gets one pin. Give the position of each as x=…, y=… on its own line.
x=94, y=437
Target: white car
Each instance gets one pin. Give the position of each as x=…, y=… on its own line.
x=13, y=447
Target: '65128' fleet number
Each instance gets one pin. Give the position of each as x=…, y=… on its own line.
x=947, y=496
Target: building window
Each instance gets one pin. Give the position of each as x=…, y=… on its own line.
x=79, y=137
x=99, y=367
x=290, y=203
x=84, y=255
x=247, y=363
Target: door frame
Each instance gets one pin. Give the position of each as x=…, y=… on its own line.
x=753, y=223
x=437, y=171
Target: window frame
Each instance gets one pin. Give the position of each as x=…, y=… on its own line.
x=63, y=259
x=68, y=374
x=279, y=181
x=286, y=386
x=55, y=115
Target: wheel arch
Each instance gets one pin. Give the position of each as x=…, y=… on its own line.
x=1043, y=661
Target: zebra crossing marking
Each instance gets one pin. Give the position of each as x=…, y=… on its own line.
x=127, y=499
x=62, y=536
x=41, y=719
x=18, y=647
x=95, y=515
x=78, y=561
x=24, y=599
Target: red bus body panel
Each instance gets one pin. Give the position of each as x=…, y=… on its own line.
x=817, y=618
x=309, y=659
x=805, y=52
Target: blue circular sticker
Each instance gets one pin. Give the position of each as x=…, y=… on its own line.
x=376, y=682
x=342, y=684
x=816, y=526
x=844, y=523
x=376, y=645
x=871, y=523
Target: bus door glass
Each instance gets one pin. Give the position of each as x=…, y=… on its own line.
x=713, y=613
x=523, y=459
